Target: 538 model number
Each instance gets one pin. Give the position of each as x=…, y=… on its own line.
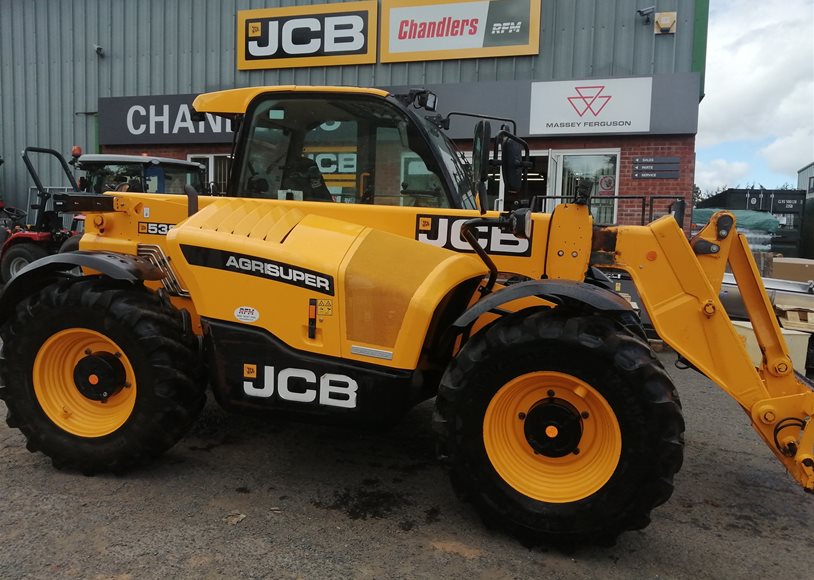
x=154, y=228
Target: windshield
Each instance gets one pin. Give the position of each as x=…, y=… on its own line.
x=344, y=149
x=455, y=162
x=136, y=178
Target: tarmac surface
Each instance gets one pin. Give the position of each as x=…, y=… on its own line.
x=253, y=498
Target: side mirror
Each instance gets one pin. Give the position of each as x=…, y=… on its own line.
x=512, y=165
x=480, y=162
x=480, y=152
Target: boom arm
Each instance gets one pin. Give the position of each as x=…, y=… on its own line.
x=679, y=283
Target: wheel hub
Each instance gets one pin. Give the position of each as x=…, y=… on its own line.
x=553, y=428
x=99, y=375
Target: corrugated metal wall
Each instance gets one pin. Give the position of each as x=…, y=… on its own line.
x=51, y=78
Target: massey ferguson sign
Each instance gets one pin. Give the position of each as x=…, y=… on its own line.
x=587, y=107
x=300, y=36
x=414, y=30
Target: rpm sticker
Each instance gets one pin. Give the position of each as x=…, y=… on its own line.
x=246, y=314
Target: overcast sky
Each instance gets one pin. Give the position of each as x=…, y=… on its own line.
x=756, y=122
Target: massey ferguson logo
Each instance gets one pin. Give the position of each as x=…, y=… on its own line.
x=305, y=36
x=589, y=99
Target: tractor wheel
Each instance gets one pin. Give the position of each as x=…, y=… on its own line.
x=99, y=377
x=560, y=428
x=71, y=244
x=18, y=257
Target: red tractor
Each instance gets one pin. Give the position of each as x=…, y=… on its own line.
x=23, y=244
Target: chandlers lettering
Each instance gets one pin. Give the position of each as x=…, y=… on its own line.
x=446, y=27
x=260, y=267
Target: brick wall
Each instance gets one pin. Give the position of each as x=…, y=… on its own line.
x=681, y=146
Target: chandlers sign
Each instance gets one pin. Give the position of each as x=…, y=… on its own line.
x=591, y=106
x=301, y=36
x=414, y=30
x=158, y=119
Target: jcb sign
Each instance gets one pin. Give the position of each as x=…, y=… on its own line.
x=321, y=35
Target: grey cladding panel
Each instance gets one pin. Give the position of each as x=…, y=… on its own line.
x=51, y=79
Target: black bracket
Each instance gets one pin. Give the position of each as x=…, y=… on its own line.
x=702, y=247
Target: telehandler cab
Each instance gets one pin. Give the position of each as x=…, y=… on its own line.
x=348, y=274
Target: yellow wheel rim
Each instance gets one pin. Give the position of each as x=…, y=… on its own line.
x=588, y=459
x=58, y=395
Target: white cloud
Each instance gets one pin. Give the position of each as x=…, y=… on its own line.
x=714, y=174
x=790, y=153
x=760, y=72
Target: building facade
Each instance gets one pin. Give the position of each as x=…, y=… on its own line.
x=603, y=90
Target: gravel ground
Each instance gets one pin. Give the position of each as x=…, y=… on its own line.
x=260, y=498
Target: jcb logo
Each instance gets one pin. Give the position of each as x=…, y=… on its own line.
x=287, y=37
x=301, y=386
x=445, y=232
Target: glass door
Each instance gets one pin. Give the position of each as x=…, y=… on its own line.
x=595, y=169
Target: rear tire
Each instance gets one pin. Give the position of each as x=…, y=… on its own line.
x=58, y=403
x=18, y=257
x=560, y=428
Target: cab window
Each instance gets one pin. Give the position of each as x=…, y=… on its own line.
x=343, y=150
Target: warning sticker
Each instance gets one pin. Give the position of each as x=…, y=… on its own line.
x=325, y=307
x=249, y=371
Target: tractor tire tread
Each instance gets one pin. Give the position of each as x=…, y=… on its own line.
x=171, y=355
x=602, y=338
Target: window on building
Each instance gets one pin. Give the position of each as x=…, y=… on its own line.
x=217, y=168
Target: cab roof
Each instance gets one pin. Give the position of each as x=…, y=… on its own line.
x=236, y=101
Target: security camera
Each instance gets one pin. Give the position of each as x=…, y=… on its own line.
x=646, y=11
x=99, y=50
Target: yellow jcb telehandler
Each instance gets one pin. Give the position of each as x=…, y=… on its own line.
x=350, y=272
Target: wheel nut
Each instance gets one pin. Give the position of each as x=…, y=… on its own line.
x=576, y=451
x=585, y=414
x=550, y=393
x=521, y=416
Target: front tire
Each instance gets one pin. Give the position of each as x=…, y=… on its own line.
x=560, y=427
x=99, y=377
